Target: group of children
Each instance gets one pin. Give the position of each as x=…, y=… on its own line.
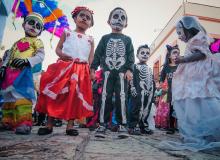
x=66, y=87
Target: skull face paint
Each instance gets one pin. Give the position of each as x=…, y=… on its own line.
x=143, y=54
x=32, y=28
x=118, y=19
x=180, y=32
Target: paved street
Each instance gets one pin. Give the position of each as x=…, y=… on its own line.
x=87, y=147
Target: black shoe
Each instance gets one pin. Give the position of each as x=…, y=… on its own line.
x=146, y=131
x=170, y=131
x=134, y=131
x=44, y=131
x=72, y=132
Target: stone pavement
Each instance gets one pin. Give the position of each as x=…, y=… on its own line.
x=58, y=146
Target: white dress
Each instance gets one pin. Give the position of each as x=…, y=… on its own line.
x=77, y=45
x=196, y=99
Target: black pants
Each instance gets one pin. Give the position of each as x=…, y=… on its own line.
x=136, y=117
x=114, y=85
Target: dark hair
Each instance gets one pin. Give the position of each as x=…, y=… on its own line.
x=77, y=10
x=142, y=46
x=169, y=50
x=116, y=9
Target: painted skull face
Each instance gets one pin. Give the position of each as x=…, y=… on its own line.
x=32, y=28
x=118, y=19
x=143, y=54
x=180, y=32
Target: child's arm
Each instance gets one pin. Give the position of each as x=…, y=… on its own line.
x=129, y=65
x=195, y=56
x=6, y=59
x=91, y=54
x=97, y=58
x=59, y=48
x=38, y=58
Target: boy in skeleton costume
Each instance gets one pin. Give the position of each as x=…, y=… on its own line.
x=115, y=54
x=16, y=77
x=142, y=93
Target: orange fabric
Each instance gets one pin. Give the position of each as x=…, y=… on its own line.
x=57, y=12
x=28, y=4
x=68, y=105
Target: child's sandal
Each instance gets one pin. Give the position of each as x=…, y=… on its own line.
x=44, y=131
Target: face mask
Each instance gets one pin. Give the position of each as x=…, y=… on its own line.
x=143, y=54
x=118, y=20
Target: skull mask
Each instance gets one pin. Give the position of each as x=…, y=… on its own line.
x=143, y=53
x=118, y=19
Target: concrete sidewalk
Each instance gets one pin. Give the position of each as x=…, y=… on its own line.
x=56, y=146
x=86, y=146
x=140, y=148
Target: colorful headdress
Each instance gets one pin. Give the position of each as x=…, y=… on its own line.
x=54, y=20
x=35, y=16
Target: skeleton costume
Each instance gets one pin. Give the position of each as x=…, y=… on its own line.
x=115, y=55
x=196, y=90
x=17, y=85
x=142, y=92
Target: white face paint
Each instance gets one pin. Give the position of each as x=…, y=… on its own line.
x=180, y=32
x=143, y=54
x=32, y=28
x=118, y=20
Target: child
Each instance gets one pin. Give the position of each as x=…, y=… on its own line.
x=65, y=89
x=115, y=54
x=196, y=89
x=142, y=93
x=16, y=76
x=167, y=72
x=163, y=110
x=97, y=92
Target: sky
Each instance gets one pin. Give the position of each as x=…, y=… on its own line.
x=146, y=18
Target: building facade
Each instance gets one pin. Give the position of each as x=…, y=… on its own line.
x=209, y=16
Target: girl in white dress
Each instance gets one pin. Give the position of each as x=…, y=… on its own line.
x=196, y=89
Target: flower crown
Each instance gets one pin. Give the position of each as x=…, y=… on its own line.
x=80, y=8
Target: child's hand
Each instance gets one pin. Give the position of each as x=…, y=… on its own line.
x=65, y=57
x=20, y=63
x=128, y=75
x=92, y=74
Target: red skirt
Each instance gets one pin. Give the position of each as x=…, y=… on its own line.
x=66, y=91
